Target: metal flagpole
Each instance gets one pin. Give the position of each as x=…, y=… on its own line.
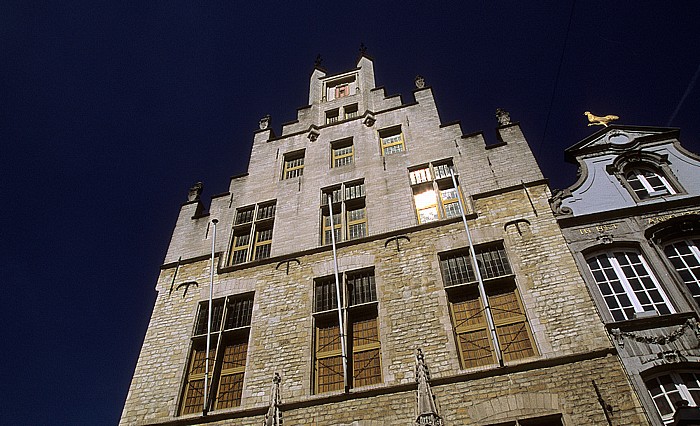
x=475, y=265
x=341, y=323
x=211, y=291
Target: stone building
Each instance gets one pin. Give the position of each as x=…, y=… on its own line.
x=421, y=336
x=632, y=223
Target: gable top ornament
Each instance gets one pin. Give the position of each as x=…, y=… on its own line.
x=274, y=415
x=594, y=120
x=427, y=409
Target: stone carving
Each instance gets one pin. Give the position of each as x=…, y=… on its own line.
x=420, y=81
x=313, y=134
x=195, y=192
x=503, y=117
x=369, y=120
x=274, y=414
x=690, y=323
x=556, y=202
x=595, y=120
x=265, y=122
x=427, y=409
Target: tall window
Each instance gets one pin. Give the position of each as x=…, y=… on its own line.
x=293, y=165
x=359, y=300
x=467, y=308
x=227, y=355
x=391, y=140
x=627, y=284
x=434, y=194
x=342, y=153
x=647, y=183
x=685, y=258
x=252, y=224
x=668, y=389
x=349, y=213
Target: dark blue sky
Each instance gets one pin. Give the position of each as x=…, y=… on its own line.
x=109, y=111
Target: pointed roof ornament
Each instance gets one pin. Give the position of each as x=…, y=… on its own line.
x=274, y=414
x=427, y=409
x=318, y=61
x=363, y=49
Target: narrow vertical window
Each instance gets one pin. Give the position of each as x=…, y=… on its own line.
x=342, y=153
x=252, y=233
x=684, y=255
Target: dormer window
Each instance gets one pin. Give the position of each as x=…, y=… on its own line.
x=647, y=183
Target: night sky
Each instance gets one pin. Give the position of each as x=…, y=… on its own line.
x=110, y=111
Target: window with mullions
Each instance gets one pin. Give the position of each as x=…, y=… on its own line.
x=252, y=233
x=349, y=213
x=627, y=284
x=342, y=153
x=684, y=255
x=332, y=116
x=467, y=309
x=293, y=165
x=363, y=346
x=668, y=389
x=350, y=111
x=391, y=140
x=230, y=329
x=647, y=183
x=434, y=194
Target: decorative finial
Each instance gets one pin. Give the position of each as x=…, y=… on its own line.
x=317, y=62
x=427, y=409
x=363, y=49
x=595, y=120
x=502, y=116
x=195, y=192
x=264, y=122
x=420, y=81
x=274, y=414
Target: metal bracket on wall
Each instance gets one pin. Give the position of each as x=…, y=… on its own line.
x=177, y=268
x=396, y=239
x=287, y=262
x=186, y=285
x=607, y=408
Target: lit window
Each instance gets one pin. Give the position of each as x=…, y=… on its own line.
x=342, y=152
x=350, y=111
x=230, y=329
x=362, y=340
x=468, y=313
x=627, y=285
x=647, y=184
x=684, y=255
x=434, y=194
x=293, y=165
x=332, y=116
x=247, y=230
x=668, y=389
x=349, y=213
x=391, y=140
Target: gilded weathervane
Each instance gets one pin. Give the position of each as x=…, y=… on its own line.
x=594, y=120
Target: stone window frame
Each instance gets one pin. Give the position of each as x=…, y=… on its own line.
x=348, y=198
x=293, y=164
x=246, y=243
x=664, y=398
x=339, y=155
x=231, y=324
x=633, y=300
x=639, y=161
x=362, y=334
x=391, y=140
x=434, y=178
x=499, y=281
x=351, y=111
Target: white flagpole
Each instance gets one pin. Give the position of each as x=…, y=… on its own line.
x=211, y=291
x=475, y=265
x=341, y=323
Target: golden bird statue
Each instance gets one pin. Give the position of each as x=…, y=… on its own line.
x=595, y=120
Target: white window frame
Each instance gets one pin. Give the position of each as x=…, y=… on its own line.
x=625, y=283
x=651, y=192
x=692, y=244
x=681, y=388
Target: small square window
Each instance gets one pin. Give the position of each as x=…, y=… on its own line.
x=332, y=116
x=293, y=165
x=350, y=111
x=342, y=152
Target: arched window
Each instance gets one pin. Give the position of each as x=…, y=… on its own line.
x=684, y=255
x=627, y=284
x=668, y=389
x=647, y=183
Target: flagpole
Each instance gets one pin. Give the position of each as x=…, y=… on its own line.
x=341, y=323
x=211, y=291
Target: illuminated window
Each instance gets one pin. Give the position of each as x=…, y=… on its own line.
x=293, y=165
x=647, y=183
x=434, y=194
x=254, y=225
x=349, y=212
x=668, y=389
x=391, y=140
x=350, y=111
x=362, y=340
x=468, y=313
x=627, y=284
x=230, y=329
x=342, y=153
x=684, y=255
x=332, y=116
